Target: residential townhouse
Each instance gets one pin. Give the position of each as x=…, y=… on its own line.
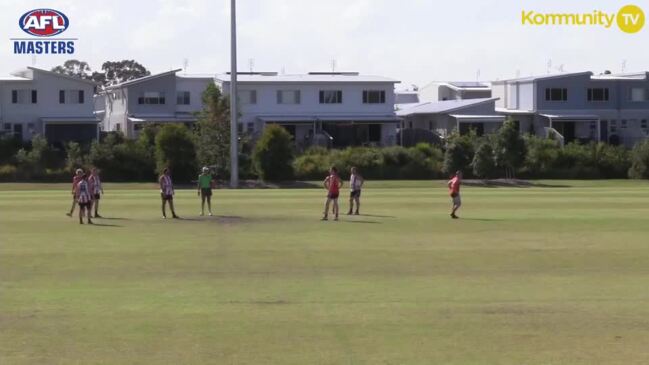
x=579, y=106
x=59, y=107
x=455, y=90
x=335, y=109
x=168, y=97
x=438, y=119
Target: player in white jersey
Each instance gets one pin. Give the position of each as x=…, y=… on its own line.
x=356, y=184
x=97, y=190
x=167, y=193
x=84, y=198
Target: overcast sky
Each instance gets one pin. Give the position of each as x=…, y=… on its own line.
x=415, y=41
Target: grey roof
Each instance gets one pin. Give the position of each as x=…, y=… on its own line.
x=307, y=78
x=13, y=78
x=443, y=107
x=143, y=79
x=63, y=76
x=546, y=77
x=469, y=84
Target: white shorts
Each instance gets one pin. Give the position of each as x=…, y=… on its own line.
x=457, y=200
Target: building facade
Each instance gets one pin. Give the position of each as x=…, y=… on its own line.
x=163, y=98
x=455, y=90
x=39, y=102
x=328, y=109
x=580, y=106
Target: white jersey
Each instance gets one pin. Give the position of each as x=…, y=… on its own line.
x=83, y=192
x=167, y=185
x=355, y=183
x=95, y=182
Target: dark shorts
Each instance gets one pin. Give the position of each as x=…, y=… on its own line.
x=97, y=196
x=355, y=194
x=85, y=205
x=166, y=197
x=207, y=192
x=333, y=195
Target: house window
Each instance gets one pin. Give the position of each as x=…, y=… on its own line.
x=373, y=97
x=24, y=96
x=250, y=128
x=118, y=127
x=623, y=124
x=248, y=96
x=152, y=98
x=331, y=97
x=7, y=127
x=644, y=125
x=598, y=94
x=613, y=126
x=71, y=97
x=556, y=94
x=183, y=98
x=430, y=125
x=593, y=126
x=638, y=94
x=288, y=97
x=409, y=125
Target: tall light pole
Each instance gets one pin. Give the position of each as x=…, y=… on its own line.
x=234, y=115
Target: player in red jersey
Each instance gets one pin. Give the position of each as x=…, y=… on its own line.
x=75, y=180
x=454, y=190
x=333, y=184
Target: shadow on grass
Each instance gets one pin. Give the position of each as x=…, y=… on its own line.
x=361, y=222
x=113, y=219
x=105, y=225
x=507, y=183
x=482, y=219
x=377, y=216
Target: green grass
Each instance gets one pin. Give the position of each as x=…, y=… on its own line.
x=528, y=276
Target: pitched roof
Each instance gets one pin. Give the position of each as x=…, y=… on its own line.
x=307, y=78
x=143, y=79
x=443, y=107
x=545, y=77
x=63, y=75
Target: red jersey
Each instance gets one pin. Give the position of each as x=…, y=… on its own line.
x=75, y=181
x=454, y=188
x=334, y=184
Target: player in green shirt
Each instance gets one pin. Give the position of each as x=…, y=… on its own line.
x=205, y=182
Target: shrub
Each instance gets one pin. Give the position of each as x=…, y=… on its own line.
x=8, y=173
x=174, y=148
x=483, y=162
x=273, y=154
x=639, y=157
x=74, y=157
x=8, y=149
x=459, y=153
x=541, y=157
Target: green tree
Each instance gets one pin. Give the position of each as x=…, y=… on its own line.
x=640, y=161
x=509, y=148
x=459, y=152
x=116, y=72
x=74, y=158
x=75, y=68
x=213, y=131
x=483, y=162
x=273, y=154
x=175, y=149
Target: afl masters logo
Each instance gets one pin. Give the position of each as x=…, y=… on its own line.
x=41, y=24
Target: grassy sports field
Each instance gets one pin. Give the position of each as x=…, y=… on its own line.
x=557, y=274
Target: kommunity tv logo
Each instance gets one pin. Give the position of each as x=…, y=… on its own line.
x=629, y=19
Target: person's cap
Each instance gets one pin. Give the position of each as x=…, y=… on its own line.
x=79, y=171
x=206, y=169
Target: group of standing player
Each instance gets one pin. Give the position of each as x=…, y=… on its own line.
x=167, y=192
x=86, y=192
x=333, y=183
